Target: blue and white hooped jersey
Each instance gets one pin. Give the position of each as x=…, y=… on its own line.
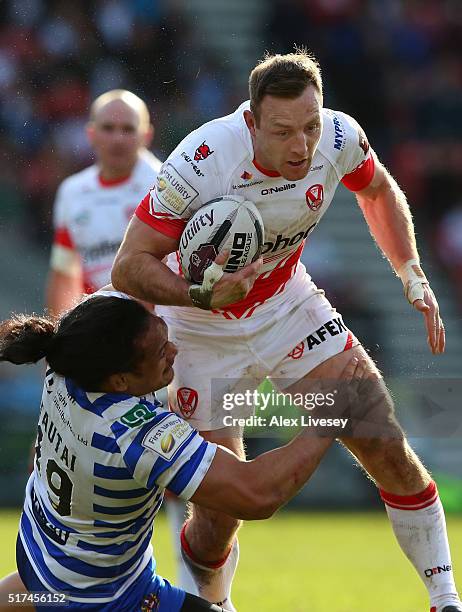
x=102, y=464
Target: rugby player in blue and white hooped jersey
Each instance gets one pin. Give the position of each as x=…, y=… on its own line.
x=106, y=451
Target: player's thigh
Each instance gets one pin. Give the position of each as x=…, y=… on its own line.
x=207, y=370
x=364, y=400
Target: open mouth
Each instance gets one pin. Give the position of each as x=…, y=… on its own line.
x=297, y=164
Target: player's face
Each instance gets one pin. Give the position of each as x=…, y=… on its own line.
x=116, y=135
x=288, y=133
x=156, y=367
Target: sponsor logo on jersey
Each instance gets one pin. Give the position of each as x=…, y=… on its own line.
x=244, y=185
x=137, y=415
x=195, y=167
x=315, y=196
x=272, y=190
x=99, y=251
x=246, y=176
x=283, y=242
x=187, y=399
x=202, y=152
x=339, y=134
x=316, y=168
x=173, y=191
x=167, y=437
x=297, y=352
x=330, y=328
x=437, y=570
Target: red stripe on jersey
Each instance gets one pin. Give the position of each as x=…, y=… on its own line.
x=173, y=228
x=412, y=502
x=265, y=288
x=112, y=182
x=63, y=238
x=361, y=176
x=349, y=342
x=264, y=171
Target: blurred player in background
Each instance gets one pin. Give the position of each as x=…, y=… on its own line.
x=287, y=154
x=93, y=207
x=91, y=213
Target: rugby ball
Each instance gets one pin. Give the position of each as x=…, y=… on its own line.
x=230, y=223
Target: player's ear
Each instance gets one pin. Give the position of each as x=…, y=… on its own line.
x=117, y=383
x=249, y=119
x=90, y=131
x=148, y=136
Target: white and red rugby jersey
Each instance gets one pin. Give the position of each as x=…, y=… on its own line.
x=91, y=215
x=218, y=159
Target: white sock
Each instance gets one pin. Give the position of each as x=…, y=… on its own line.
x=213, y=582
x=176, y=513
x=420, y=528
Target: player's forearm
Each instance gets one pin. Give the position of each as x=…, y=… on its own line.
x=389, y=219
x=145, y=277
x=277, y=475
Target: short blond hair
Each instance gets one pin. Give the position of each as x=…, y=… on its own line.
x=128, y=98
x=284, y=76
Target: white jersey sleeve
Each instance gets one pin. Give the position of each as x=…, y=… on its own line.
x=351, y=155
x=197, y=171
x=165, y=452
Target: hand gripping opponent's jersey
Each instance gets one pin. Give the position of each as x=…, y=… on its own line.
x=91, y=216
x=102, y=464
x=218, y=159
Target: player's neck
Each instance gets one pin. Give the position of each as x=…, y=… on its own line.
x=109, y=177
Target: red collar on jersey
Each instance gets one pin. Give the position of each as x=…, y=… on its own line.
x=271, y=173
x=112, y=182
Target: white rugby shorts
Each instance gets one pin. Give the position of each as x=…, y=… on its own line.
x=283, y=340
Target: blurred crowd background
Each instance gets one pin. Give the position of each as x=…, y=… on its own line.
x=395, y=65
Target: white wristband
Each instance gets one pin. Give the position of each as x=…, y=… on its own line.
x=413, y=279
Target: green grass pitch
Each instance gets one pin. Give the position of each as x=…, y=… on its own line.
x=304, y=562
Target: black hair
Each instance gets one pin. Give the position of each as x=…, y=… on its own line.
x=94, y=340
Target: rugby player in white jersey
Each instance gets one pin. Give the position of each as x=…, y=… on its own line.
x=287, y=154
x=107, y=451
x=93, y=207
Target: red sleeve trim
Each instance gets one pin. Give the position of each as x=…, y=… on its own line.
x=361, y=176
x=173, y=228
x=63, y=238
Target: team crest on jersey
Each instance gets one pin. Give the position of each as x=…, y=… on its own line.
x=187, y=399
x=315, y=196
x=150, y=603
x=202, y=152
x=246, y=176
